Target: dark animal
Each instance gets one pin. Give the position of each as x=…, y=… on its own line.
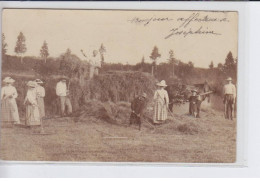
x=138, y=106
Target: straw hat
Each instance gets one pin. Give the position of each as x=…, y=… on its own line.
x=8, y=80
x=194, y=90
x=229, y=79
x=144, y=95
x=32, y=84
x=38, y=81
x=162, y=84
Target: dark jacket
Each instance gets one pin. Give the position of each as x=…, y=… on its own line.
x=138, y=105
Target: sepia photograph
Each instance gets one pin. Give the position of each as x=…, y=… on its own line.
x=149, y=86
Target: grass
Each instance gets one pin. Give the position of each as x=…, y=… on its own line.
x=213, y=141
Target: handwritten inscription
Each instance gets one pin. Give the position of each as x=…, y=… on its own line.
x=191, y=25
x=146, y=21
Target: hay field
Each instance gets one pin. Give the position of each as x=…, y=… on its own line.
x=210, y=139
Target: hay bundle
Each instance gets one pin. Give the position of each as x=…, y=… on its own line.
x=120, y=86
x=104, y=111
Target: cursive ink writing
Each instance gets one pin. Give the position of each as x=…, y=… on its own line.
x=195, y=17
x=147, y=21
x=185, y=33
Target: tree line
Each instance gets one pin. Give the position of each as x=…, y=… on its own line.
x=69, y=64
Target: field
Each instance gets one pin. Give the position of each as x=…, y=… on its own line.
x=210, y=139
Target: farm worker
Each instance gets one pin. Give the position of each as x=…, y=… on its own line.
x=138, y=106
x=32, y=109
x=9, y=109
x=195, y=103
x=95, y=64
x=161, y=101
x=62, y=92
x=40, y=92
x=206, y=88
x=229, y=97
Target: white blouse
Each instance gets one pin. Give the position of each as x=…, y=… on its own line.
x=40, y=91
x=6, y=91
x=31, y=96
x=161, y=95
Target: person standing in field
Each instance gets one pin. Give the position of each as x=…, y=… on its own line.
x=9, y=109
x=40, y=91
x=95, y=64
x=138, y=106
x=229, y=91
x=32, y=108
x=63, y=93
x=161, y=101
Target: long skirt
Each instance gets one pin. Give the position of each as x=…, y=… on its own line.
x=9, y=111
x=32, y=116
x=40, y=103
x=160, y=111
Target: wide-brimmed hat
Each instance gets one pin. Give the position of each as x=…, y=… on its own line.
x=229, y=79
x=63, y=78
x=194, y=90
x=32, y=84
x=38, y=81
x=144, y=95
x=162, y=84
x=8, y=80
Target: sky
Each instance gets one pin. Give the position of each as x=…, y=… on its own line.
x=127, y=35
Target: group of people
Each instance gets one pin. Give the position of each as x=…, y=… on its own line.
x=161, y=102
x=33, y=102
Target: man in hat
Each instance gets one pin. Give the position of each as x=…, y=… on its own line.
x=229, y=92
x=138, y=106
x=95, y=64
x=195, y=103
x=62, y=92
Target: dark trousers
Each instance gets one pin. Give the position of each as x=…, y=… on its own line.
x=135, y=119
x=194, y=107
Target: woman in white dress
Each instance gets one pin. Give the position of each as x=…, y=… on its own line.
x=32, y=109
x=40, y=91
x=9, y=109
x=161, y=101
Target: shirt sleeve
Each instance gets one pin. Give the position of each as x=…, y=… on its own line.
x=155, y=95
x=41, y=92
x=234, y=91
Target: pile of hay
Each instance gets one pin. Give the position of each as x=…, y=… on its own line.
x=114, y=113
x=120, y=86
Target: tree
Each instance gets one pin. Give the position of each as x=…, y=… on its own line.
x=4, y=45
x=20, y=47
x=211, y=65
x=44, y=52
x=102, y=51
x=154, y=55
x=172, y=61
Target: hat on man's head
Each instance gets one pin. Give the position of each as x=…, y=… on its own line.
x=8, y=80
x=162, y=84
x=63, y=78
x=229, y=79
x=144, y=95
x=38, y=81
x=194, y=90
x=32, y=84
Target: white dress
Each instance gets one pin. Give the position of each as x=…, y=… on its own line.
x=161, y=101
x=32, y=108
x=9, y=109
x=40, y=100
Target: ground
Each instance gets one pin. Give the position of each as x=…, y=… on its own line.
x=209, y=139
